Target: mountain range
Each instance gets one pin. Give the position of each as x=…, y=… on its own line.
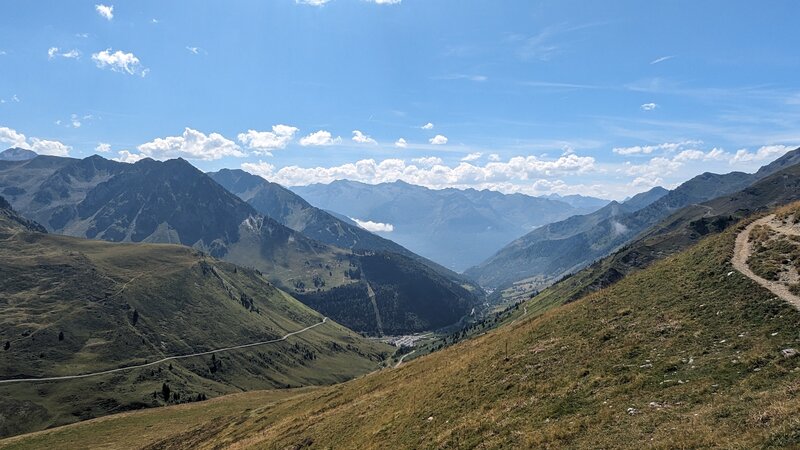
x=173, y=202
x=687, y=353
x=559, y=248
x=76, y=306
x=437, y=223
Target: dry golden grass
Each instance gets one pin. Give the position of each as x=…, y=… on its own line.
x=684, y=354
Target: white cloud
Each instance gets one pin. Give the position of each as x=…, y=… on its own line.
x=82, y=35
x=647, y=149
x=428, y=161
x=265, y=141
x=191, y=144
x=14, y=98
x=438, y=140
x=385, y=2
x=128, y=157
x=154, y=20
x=432, y=174
x=12, y=137
x=427, y=126
x=362, y=138
x=193, y=50
x=374, y=227
x=472, y=156
x=53, y=52
x=661, y=59
x=319, y=138
x=107, y=12
x=45, y=147
x=714, y=154
x=495, y=157
x=263, y=169
x=311, y=2
x=401, y=143
x=119, y=61
x=766, y=152
x=102, y=147
x=40, y=146
x=649, y=106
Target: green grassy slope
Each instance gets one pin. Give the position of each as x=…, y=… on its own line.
x=673, y=234
x=684, y=354
x=72, y=306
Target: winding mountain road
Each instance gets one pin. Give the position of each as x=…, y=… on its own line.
x=162, y=360
x=742, y=251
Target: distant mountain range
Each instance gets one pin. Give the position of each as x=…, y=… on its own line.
x=563, y=247
x=453, y=227
x=173, y=202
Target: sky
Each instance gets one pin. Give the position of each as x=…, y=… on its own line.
x=540, y=97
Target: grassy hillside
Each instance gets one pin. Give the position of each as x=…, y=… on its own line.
x=671, y=235
x=552, y=251
x=74, y=306
x=684, y=354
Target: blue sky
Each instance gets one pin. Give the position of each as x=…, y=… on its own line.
x=603, y=98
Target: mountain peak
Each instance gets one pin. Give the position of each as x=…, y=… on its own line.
x=17, y=154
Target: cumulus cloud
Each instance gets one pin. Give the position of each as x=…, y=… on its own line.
x=496, y=157
x=12, y=137
x=427, y=126
x=428, y=161
x=128, y=157
x=119, y=61
x=763, y=153
x=311, y=2
x=428, y=172
x=102, y=147
x=105, y=11
x=374, y=227
x=263, y=142
x=55, y=52
x=647, y=149
x=319, y=138
x=46, y=147
x=401, y=143
x=438, y=140
x=649, y=106
x=472, y=156
x=41, y=146
x=362, y=138
x=263, y=169
x=192, y=144
x=714, y=154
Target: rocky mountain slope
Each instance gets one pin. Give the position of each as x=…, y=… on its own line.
x=563, y=247
x=173, y=202
x=437, y=223
x=291, y=210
